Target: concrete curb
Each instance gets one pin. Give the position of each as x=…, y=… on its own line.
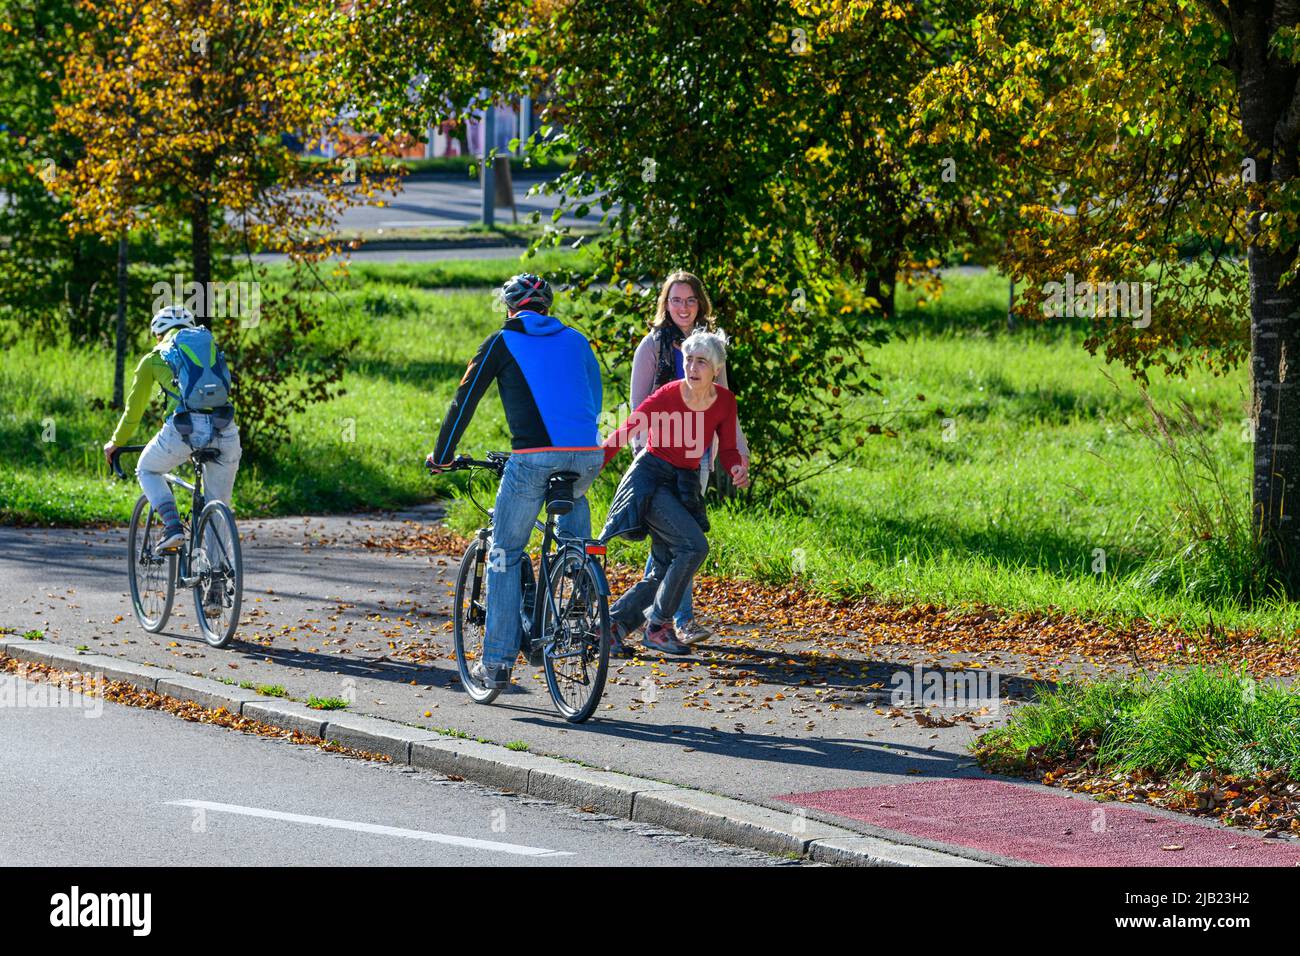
x=644, y=801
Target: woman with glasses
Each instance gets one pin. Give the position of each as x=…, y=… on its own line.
x=683, y=308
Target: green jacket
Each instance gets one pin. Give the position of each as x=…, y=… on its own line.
x=152, y=370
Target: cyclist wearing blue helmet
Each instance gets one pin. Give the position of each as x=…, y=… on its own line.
x=550, y=387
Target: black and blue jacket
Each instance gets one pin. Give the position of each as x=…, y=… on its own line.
x=549, y=383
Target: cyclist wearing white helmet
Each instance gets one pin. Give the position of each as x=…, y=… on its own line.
x=190, y=422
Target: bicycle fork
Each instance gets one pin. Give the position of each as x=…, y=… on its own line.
x=477, y=609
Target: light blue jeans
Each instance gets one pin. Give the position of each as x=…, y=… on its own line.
x=686, y=610
x=519, y=499
x=168, y=450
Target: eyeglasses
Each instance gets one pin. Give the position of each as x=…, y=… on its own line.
x=677, y=303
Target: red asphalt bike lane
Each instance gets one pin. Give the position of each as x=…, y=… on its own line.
x=1036, y=826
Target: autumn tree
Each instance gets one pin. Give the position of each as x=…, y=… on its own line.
x=1172, y=133
x=183, y=106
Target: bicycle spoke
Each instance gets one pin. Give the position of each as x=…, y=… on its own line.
x=575, y=657
x=150, y=572
x=469, y=618
x=217, y=573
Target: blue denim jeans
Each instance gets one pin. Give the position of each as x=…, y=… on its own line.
x=685, y=610
x=519, y=499
x=677, y=549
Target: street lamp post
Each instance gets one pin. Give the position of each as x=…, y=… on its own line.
x=489, y=184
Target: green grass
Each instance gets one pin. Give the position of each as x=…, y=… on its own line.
x=468, y=273
x=1041, y=469
x=34, y=635
x=273, y=690
x=1168, y=724
x=518, y=745
x=500, y=233
x=326, y=703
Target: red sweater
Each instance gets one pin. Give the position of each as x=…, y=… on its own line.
x=678, y=434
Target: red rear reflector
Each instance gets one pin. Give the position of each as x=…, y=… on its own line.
x=595, y=549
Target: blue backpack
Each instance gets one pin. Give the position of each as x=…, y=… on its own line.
x=199, y=371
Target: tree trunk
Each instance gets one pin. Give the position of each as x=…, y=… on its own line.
x=119, y=361
x=1275, y=371
x=201, y=252
x=1266, y=86
x=882, y=283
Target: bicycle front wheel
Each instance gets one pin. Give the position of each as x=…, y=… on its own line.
x=469, y=620
x=152, y=573
x=575, y=625
x=219, y=565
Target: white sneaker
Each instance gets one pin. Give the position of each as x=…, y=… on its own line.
x=693, y=632
x=489, y=681
x=172, y=540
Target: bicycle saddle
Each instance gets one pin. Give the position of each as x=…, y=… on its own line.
x=559, y=492
x=206, y=454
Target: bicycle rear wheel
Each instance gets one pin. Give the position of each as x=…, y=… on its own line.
x=152, y=573
x=217, y=561
x=575, y=626
x=469, y=619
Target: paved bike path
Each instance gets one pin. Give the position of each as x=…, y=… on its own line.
x=327, y=616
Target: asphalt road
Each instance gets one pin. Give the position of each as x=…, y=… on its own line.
x=95, y=783
x=441, y=203
x=429, y=203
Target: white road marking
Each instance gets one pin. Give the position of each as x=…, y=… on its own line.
x=473, y=844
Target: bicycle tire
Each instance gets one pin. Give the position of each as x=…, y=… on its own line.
x=216, y=518
x=463, y=621
x=574, y=662
x=136, y=561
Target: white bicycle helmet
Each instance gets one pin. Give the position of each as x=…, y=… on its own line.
x=170, y=318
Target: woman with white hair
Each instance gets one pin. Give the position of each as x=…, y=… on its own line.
x=683, y=307
x=660, y=496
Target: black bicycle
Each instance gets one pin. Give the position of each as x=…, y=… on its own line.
x=565, y=618
x=209, y=561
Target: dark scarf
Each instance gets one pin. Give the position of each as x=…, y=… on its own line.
x=667, y=336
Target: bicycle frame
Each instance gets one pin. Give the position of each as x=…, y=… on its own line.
x=543, y=594
x=183, y=560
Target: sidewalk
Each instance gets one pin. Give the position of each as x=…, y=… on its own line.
x=777, y=722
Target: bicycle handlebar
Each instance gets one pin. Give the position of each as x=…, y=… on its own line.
x=496, y=462
x=116, y=464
